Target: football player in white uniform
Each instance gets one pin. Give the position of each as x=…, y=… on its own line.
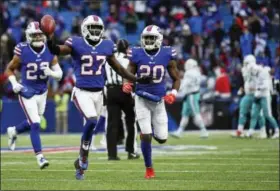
x=191, y=87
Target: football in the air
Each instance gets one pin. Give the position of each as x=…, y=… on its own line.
x=47, y=24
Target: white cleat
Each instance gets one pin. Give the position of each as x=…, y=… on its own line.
x=103, y=141
x=263, y=135
x=204, y=134
x=275, y=136
x=42, y=162
x=176, y=134
x=12, y=137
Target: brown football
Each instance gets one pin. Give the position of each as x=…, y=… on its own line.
x=47, y=24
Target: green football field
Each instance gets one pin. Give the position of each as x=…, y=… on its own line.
x=217, y=163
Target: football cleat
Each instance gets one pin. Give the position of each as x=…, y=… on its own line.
x=149, y=173
x=275, y=136
x=176, y=134
x=12, y=137
x=238, y=134
x=132, y=156
x=204, y=134
x=262, y=135
x=83, y=162
x=42, y=162
x=79, y=174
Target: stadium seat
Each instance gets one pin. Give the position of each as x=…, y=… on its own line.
x=68, y=17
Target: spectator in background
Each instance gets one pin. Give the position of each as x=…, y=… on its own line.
x=275, y=27
x=140, y=8
x=218, y=33
x=162, y=18
x=150, y=17
x=246, y=41
x=235, y=33
x=131, y=21
x=76, y=25
x=186, y=38
x=222, y=86
x=197, y=48
x=195, y=23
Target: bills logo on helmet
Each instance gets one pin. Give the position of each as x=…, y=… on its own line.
x=149, y=28
x=36, y=24
x=95, y=18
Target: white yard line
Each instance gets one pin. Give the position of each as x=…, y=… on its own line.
x=138, y=180
x=157, y=171
x=67, y=162
x=155, y=158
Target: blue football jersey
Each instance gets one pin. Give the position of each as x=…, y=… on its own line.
x=152, y=65
x=31, y=74
x=89, y=61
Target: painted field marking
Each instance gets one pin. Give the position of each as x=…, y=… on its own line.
x=134, y=163
x=169, y=157
x=139, y=180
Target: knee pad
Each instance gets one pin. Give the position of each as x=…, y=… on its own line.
x=146, y=137
x=160, y=141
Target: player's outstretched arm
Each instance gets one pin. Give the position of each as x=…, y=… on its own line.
x=174, y=74
x=13, y=65
x=58, y=49
x=119, y=69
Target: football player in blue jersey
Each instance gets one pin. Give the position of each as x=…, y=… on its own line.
x=36, y=64
x=152, y=59
x=90, y=53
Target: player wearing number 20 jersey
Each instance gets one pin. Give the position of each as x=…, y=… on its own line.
x=90, y=52
x=152, y=60
x=35, y=60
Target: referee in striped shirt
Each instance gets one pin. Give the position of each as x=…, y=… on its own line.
x=118, y=101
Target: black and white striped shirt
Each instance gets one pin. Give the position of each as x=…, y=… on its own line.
x=112, y=77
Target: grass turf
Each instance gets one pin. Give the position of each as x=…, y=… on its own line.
x=229, y=164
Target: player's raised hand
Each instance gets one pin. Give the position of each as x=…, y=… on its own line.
x=127, y=87
x=144, y=80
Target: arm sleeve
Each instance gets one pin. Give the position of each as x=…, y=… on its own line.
x=56, y=72
x=173, y=54
x=131, y=56
x=68, y=42
x=17, y=50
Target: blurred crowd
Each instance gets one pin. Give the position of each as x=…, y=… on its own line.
x=218, y=33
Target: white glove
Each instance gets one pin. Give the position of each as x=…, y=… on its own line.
x=55, y=72
x=47, y=71
x=16, y=86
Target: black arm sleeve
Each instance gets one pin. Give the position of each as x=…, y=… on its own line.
x=54, y=48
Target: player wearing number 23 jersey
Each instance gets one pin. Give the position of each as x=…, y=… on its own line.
x=152, y=59
x=35, y=60
x=90, y=52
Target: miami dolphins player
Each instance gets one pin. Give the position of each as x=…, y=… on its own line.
x=262, y=99
x=36, y=64
x=248, y=99
x=90, y=53
x=191, y=86
x=152, y=59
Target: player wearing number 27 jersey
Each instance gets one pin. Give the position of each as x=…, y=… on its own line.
x=152, y=59
x=90, y=52
x=34, y=59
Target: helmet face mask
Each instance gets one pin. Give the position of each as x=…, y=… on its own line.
x=34, y=35
x=92, y=28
